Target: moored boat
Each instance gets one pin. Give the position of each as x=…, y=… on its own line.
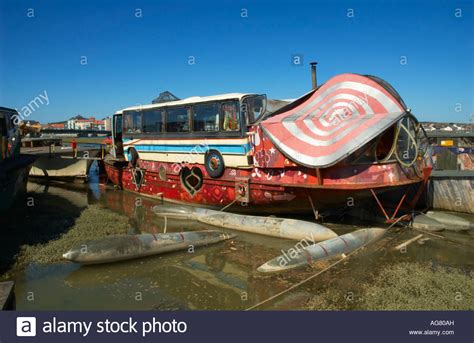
x=14, y=167
x=58, y=161
x=350, y=139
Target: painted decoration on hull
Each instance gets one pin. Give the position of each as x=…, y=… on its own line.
x=342, y=115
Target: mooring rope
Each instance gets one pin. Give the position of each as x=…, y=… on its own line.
x=444, y=238
x=228, y=205
x=320, y=272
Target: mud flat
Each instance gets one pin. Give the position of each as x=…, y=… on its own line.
x=427, y=275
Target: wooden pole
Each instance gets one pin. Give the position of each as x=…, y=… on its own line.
x=406, y=243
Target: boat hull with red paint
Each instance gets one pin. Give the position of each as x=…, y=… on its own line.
x=286, y=191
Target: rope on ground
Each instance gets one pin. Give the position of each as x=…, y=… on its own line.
x=318, y=273
x=430, y=233
x=452, y=241
x=228, y=205
x=316, y=214
x=166, y=224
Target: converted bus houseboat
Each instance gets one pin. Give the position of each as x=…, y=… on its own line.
x=351, y=138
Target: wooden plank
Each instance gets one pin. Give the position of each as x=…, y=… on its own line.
x=453, y=195
x=7, y=296
x=406, y=243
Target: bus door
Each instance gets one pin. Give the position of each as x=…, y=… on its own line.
x=117, y=135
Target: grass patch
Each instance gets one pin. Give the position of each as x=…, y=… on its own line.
x=94, y=222
x=404, y=286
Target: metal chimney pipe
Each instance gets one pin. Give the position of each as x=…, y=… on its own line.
x=313, y=75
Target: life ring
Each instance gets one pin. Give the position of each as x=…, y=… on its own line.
x=214, y=163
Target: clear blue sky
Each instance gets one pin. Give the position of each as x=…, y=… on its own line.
x=131, y=59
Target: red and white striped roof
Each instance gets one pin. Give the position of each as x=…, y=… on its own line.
x=346, y=112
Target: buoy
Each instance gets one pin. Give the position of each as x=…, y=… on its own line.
x=127, y=247
x=268, y=226
x=425, y=223
x=451, y=221
x=300, y=256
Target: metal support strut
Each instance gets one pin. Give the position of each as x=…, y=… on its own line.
x=411, y=203
x=393, y=217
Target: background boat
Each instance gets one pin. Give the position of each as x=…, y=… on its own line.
x=14, y=167
x=58, y=161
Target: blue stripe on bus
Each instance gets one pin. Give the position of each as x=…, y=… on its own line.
x=191, y=148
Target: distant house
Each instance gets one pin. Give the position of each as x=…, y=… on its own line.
x=55, y=126
x=81, y=123
x=108, y=123
x=449, y=127
x=31, y=122
x=84, y=124
x=98, y=125
x=70, y=124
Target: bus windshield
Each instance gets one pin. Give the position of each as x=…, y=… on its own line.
x=254, y=106
x=132, y=122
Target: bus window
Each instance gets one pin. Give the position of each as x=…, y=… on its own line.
x=231, y=116
x=132, y=122
x=153, y=121
x=177, y=119
x=206, y=118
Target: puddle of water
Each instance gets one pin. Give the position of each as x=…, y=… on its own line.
x=222, y=276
